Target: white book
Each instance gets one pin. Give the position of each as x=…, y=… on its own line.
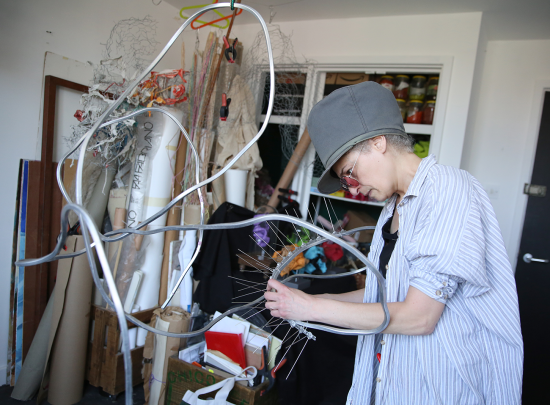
x=221, y=361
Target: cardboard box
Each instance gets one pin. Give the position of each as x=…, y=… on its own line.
x=351, y=78
x=105, y=365
x=358, y=219
x=183, y=376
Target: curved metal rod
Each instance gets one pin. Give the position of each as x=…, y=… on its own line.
x=86, y=138
x=83, y=142
x=324, y=235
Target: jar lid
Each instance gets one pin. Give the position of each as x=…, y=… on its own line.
x=419, y=76
x=430, y=101
x=403, y=76
x=400, y=99
x=416, y=102
x=387, y=76
x=434, y=77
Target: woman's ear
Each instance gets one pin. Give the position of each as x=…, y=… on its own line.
x=379, y=144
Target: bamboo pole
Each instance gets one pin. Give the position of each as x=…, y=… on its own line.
x=291, y=168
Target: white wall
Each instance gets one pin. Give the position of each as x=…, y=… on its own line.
x=500, y=140
x=78, y=30
x=351, y=40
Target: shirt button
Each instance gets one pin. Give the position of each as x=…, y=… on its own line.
x=378, y=379
x=382, y=342
x=445, y=296
x=444, y=284
x=398, y=234
x=387, y=267
x=438, y=292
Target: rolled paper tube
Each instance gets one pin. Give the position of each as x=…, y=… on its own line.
x=133, y=290
x=68, y=353
x=235, y=186
x=155, y=198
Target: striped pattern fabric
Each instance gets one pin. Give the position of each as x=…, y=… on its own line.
x=450, y=247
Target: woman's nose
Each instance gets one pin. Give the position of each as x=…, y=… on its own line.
x=354, y=191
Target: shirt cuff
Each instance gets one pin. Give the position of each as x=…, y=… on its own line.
x=440, y=287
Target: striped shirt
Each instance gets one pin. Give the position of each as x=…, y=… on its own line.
x=450, y=248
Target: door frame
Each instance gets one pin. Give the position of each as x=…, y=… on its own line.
x=518, y=216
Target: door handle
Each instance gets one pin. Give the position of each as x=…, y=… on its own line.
x=528, y=258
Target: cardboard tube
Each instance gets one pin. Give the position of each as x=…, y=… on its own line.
x=68, y=354
x=174, y=217
x=291, y=168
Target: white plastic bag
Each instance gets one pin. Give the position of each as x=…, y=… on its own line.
x=192, y=398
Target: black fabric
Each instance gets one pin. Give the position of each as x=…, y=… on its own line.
x=217, y=259
x=390, y=239
x=324, y=370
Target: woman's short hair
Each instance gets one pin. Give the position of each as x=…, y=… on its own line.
x=399, y=143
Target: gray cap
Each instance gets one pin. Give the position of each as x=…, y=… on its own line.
x=346, y=117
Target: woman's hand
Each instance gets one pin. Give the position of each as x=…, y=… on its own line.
x=288, y=303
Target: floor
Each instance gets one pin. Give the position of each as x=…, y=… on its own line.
x=92, y=395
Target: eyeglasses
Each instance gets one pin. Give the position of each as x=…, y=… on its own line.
x=347, y=181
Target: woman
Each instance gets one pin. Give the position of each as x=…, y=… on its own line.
x=454, y=334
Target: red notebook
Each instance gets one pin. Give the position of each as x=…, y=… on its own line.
x=230, y=344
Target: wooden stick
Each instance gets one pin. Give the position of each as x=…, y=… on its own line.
x=173, y=218
x=291, y=168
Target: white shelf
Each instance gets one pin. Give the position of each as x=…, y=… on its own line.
x=377, y=204
x=281, y=119
x=419, y=129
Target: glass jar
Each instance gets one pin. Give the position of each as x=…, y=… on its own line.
x=387, y=82
x=417, y=89
x=431, y=88
x=428, y=113
x=402, y=107
x=401, y=87
x=414, y=113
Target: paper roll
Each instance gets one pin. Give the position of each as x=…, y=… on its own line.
x=235, y=186
x=175, y=320
x=68, y=353
x=33, y=368
x=157, y=196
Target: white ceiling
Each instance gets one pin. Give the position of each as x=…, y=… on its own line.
x=502, y=19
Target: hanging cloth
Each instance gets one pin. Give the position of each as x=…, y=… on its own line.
x=237, y=131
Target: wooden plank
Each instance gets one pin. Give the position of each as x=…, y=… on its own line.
x=98, y=349
x=137, y=359
x=108, y=374
x=13, y=282
x=32, y=279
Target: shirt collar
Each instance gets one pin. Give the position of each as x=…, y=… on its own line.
x=421, y=173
